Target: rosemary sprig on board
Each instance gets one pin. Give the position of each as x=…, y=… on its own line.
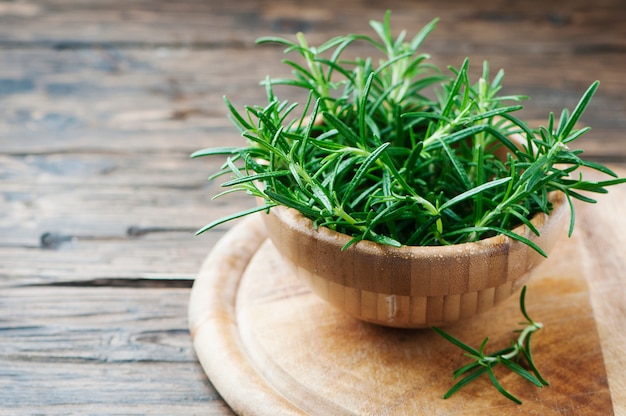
x=393, y=149
x=510, y=357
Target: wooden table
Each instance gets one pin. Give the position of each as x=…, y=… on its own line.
x=101, y=104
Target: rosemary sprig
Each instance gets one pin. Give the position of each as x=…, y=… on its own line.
x=399, y=151
x=510, y=357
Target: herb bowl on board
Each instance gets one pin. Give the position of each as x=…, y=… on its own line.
x=411, y=286
x=405, y=194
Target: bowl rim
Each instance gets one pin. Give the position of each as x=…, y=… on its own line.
x=295, y=220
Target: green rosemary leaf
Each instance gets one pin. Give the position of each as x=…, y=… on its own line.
x=290, y=82
x=603, y=169
x=507, y=233
x=219, y=173
x=290, y=202
x=456, y=86
x=482, y=346
x=264, y=117
x=418, y=236
x=503, y=351
x=383, y=239
x=303, y=72
x=504, y=140
x=230, y=191
x=391, y=62
x=390, y=212
x=497, y=112
x=578, y=111
x=365, y=166
x=458, y=168
x=232, y=217
x=274, y=39
x=497, y=80
x=575, y=135
x=302, y=145
x=342, y=128
x=457, y=136
x=341, y=43
x=268, y=147
x=427, y=115
x=323, y=140
x=472, y=192
x=333, y=66
x=499, y=387
x=562, y=123
x=417, y=41
x=321, y=195
x=529, y=148
x=257, y=177
x=509, y=98
x=466, y=368
x=581, y=197
x=523, y=219
x=572, y=216
x=411, y=161
x=238, y=120
x=234, y=169
x=511, y=365
x=383, y=31
x=363, y=106
x=522, y=305
x=465, y=381
x=456, y=342
x=212, y=151
x=529, y=359
x=598, y=186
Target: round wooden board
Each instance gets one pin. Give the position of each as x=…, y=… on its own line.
x=271, y=347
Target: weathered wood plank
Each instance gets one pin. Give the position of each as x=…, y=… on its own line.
x=64, y=23
x=170, y=258
x=101, y=104
x=551, y=54
x=36, y=201
x=64, y=217
x=121, y=102
x=100, y=351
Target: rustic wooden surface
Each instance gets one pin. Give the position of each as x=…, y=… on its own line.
x=272, y=347
x=102, y=102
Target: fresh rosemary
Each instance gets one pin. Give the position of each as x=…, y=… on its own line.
x=400, y=152
x=510, y=357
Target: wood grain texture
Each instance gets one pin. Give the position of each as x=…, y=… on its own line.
x=292, y=345
x=80, y=350
x=608, y=285
x=102, y=102
x=214, y=327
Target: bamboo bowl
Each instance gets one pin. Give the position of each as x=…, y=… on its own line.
x=411, y=287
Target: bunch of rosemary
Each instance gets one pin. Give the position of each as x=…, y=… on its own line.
x=399, y=151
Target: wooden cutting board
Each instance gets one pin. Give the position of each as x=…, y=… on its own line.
x=271, y=347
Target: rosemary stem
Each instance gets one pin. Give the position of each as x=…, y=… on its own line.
x=320, y=84
x=518, y=345
x=340, y=212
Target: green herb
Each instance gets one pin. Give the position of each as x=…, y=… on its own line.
x=509, y=357
x=393, y=149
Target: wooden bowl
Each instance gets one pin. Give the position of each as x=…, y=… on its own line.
x=411, y=287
